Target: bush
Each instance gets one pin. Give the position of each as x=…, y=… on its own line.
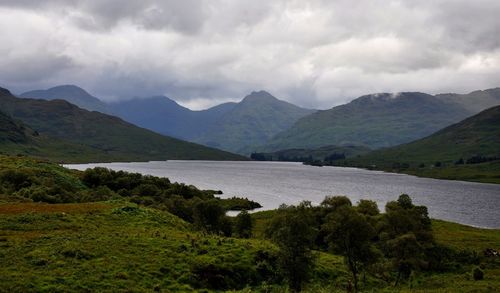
x=243, y=225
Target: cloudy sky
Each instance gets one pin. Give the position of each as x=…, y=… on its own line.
x=315, y=53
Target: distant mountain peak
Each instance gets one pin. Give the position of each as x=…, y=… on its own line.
x=260, y=96
x=71, y=93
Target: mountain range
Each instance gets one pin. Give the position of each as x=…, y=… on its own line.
x=468, y=150
x=46, y=127
x=263, y=123
x=235, y=127
x=379, y=120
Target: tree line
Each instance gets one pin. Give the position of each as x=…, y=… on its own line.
x=388, y=246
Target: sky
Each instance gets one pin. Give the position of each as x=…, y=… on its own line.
x=314, y=53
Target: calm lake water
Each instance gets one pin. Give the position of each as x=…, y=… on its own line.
x=274, y=183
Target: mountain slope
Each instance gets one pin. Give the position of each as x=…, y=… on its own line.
x=17, y=138
x=11, y=131
x=71, y=93
x=253, y=121
x=476, y=135
x=468, y=150
x=108, y=135
x=375, y=121
x=475, y=101
x=165, y=116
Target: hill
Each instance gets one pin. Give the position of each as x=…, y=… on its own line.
x=253, y=121
x=375, y=121
x=17, y=138
x=110, y=137
x=165, y=116
x=468, y=150
x=99, y=230
x=475, y=101
x=235, y=127
x=71, y=93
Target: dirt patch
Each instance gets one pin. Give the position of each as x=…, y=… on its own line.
x=71, y=208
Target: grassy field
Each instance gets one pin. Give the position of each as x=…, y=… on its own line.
x=116, y=246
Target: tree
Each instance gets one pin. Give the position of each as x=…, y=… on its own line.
x=292, y=229
x=208, y=215
x=350, y=235
x=332, y=203
x=367, y=207
x=406, y=234
x=243, y=225
x=406, y=253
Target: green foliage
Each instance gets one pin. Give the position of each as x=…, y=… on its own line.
x=46, y=182
x=328, y=154
x=240, y=204
x=243, y=225
x=293, y=231
x=333, y=203
x=367, y=207
x=210, y=216
x=350, y=234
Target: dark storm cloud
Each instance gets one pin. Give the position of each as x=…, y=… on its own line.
x=315, y=53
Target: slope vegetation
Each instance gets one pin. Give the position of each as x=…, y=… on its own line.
x=468, y=149
x=110, y=137
x=252, y=122
x=374, y=121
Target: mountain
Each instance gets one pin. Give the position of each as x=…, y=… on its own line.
x=16, y=138
x=11, y=131
x=475, y=101
x=165, y=116
x=253, y=121
x=375, y=121
x=468, y=150
x=478, y=135
x=71, y=93
x=111, y=137
x=234, y=127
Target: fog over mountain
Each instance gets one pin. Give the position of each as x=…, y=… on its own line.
x=313, y=53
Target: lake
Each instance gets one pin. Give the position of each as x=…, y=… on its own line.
x=274, y=183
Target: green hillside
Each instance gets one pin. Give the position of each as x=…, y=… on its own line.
x=64, y=230
x=374, y=121
x=252, y=122
x=18, y=139
x=93, y=136
x=445, y=154
x=475, y=101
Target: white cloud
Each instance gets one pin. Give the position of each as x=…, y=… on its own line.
x=314, y=53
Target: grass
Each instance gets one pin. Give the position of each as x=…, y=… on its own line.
x=117, y=246
x=106, y=247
